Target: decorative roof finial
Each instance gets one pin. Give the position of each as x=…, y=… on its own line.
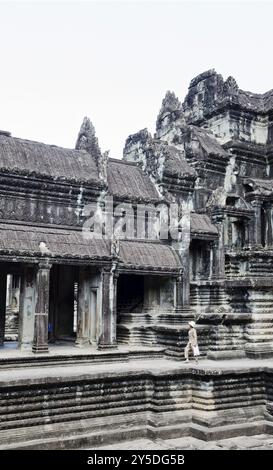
x=87, y=139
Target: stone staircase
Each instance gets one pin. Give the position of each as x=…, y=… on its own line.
x=206, y=298
x=259, y=331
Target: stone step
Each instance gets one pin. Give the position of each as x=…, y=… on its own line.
x=258, y=337
x=263, y=328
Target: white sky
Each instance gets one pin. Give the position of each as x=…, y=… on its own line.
x=114, y=62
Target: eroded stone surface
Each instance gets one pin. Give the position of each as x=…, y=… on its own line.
x=259, y=442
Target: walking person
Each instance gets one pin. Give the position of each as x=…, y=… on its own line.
x=192, y=343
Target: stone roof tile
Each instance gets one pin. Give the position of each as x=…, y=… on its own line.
x=149, y=254
x=41, y=160
x=50, y=242
x=128, y=181
x=201, y=223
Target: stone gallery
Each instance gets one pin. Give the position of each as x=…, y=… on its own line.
x=93, y=326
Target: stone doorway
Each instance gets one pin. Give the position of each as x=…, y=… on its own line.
x=73, y=288
x=9, y=309
x=130, y=293
x=63, y=308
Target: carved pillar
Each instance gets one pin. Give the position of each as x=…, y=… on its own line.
x=269, y=237
x=247, y=234
x=182, y=246
x=219, y=249
x=9, y=290
x=40, y=339
x=84, y=317
x=178, y=293
x=186, y=278
x=108, y=325
x=115, y=276
x=214, y=258
x=3, y=294
x=27, y=308
x=257, y=224
x=211, y=260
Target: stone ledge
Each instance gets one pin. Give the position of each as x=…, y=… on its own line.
x=13, y=377
x=88, y=405
x=122, y=432
x=259, y=350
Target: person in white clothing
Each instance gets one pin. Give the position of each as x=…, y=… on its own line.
x=192, y=343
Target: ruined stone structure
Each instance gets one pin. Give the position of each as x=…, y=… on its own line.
x=212, y=158
x=220, y=138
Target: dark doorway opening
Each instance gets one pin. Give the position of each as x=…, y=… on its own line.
x=130, y=293
x=199, y=259
x=63, y=304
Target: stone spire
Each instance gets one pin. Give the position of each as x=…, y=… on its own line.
x=88, y=141
x=231, y=86
x=170, y=105
x=170, y=111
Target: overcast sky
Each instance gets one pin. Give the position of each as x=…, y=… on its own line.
x=114, y=62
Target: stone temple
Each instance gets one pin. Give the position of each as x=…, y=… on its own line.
x=93, y=329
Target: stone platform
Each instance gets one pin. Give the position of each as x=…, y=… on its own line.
x=91, y=405
x=67, y=354
x=256, y=442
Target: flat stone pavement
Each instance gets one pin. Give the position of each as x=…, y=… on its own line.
x=257, y=442
x=14, y=375
x=10, y=350
x=122, y=368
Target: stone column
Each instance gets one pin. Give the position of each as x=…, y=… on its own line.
x=256, y=224
x=247, y=234
x=40, y=339
x=181, y=243
x=215, y=264
x=3, y=296
x=211, y=260
x=107, y=338
x=115, y=276
x=269, y=238
x=84, y=318
x=182, y=247
x=9, y=289
x=219, y=248
x=27, y=308
x=186, y=277
x=178, y=293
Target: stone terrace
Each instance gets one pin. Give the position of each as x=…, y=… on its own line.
x=93, y=405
